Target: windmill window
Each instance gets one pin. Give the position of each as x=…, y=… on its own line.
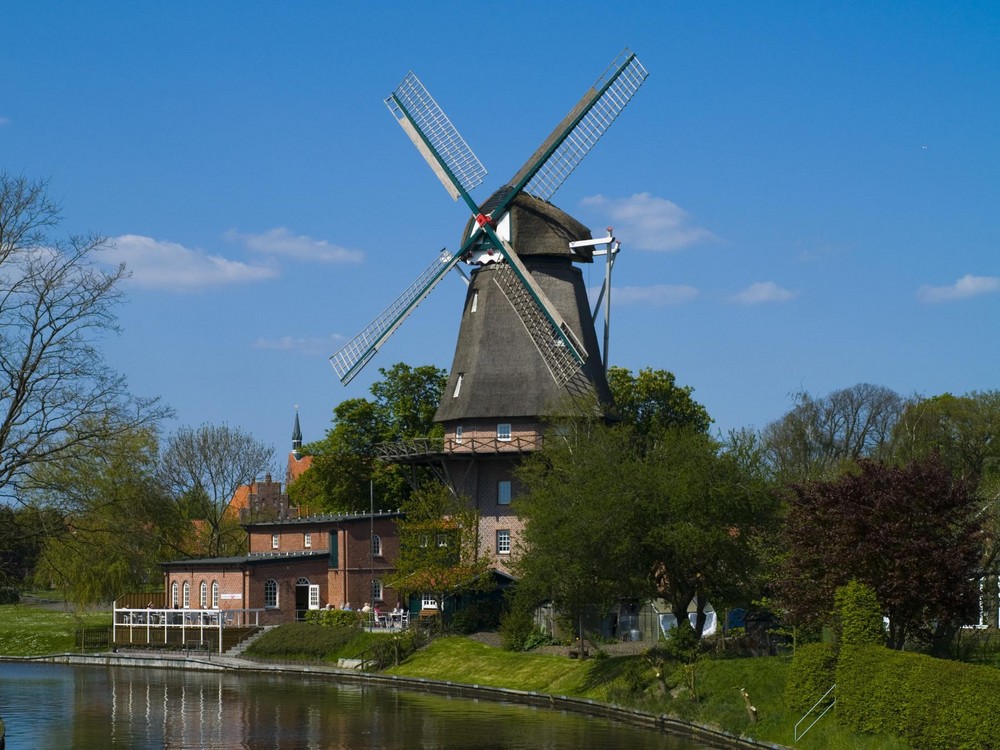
x=458, y=385
x=503, y=492
x=503, y=431
x=458, y=434
x=503, y=541
x=475, y=301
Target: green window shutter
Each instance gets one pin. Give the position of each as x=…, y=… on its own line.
x=334, y=550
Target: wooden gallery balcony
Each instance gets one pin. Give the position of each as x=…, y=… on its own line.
x=144, y=620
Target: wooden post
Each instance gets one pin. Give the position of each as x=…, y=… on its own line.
x=751, y=709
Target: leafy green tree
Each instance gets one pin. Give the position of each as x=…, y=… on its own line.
x=439, y=547
x=653, y=402
x=582, y=514
x=58, y=398
x=607, y=519
x=23, y=531
x=115, y=522
x=911, y=533
x=202, y=469
x=345, y=465
x=706, y=517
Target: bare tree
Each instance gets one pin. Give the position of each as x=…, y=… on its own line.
x=820, y=435
x=55, y=305
x=204, y=468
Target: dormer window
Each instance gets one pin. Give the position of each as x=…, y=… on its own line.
x=475, y=301
x=458, y=385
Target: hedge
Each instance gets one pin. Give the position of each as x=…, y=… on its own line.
x=932, y=703
x=812, y=672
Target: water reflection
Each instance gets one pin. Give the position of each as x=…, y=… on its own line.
x=57, y=706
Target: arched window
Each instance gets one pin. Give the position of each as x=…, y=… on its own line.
x=376, y=545
x=174, y=601
x=302, y=582
x=271, y=594
x=203, y=595
x=376, y=590
x=215, y=594
x=186, y=603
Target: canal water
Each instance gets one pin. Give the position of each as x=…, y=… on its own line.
x=80, y=707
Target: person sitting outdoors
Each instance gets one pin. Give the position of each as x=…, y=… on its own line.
x=367, y=608
x=347, y=607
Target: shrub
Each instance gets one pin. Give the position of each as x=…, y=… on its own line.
x=932, y=703
x=518, y=631
x=812, y=672
x=858, y=620
x=393, y=649
x=335, y=618
x=9, y=595
x=480, y=615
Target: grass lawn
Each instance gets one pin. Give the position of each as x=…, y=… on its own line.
x=631, y=682
x=27, y=630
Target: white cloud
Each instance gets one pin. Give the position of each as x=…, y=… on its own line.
x=155, y=264
x=967, y=286
x=650, y=223
x=281, y=242
x=763, y=291
x=309, y=346
x=657, y=295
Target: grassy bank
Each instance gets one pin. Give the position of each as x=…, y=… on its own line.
x=631, y=681
x=34, y=630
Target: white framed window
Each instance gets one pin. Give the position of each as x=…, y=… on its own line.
x=442, y=540
x=203, y=595
x=458, y=434
x=376, y=590
x=376, y=545
x=215, y=594
x=503, y=541
x=307, y=540
x=427, y=601
x=271, y=594
x=313, y=596
x=275, y=541
x=503, y=492
x=174, y=597
x=458, y=385
x=186, y=595
x=503, y=431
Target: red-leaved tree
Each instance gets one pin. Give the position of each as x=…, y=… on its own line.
x=910, y=532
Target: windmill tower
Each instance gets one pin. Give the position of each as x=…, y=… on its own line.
x=527, y=344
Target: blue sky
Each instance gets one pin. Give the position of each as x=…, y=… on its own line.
x=807, y=194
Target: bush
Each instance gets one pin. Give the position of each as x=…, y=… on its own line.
x=335, y=618
x=480, y=615
x=518, y=631
x=859, y=617
x=9, y=595
x=932, y=703
x=396, y=648
x=813, y=671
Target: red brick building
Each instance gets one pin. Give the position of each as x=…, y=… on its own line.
x=294, y=565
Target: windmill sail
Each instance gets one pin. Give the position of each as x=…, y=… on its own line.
x=358, y=351
x=437, y=140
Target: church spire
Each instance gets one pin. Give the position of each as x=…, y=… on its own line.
x=296, y=436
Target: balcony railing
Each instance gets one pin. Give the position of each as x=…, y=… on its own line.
x=423, y=448
x=180, y=627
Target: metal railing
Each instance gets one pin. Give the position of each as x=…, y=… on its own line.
x=810, y=711
x=149, y=626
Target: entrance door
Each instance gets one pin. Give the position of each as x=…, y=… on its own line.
x=301, y=598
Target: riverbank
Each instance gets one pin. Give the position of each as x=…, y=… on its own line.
x=712, y=737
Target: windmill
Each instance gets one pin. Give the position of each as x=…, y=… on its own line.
x=527, y=335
